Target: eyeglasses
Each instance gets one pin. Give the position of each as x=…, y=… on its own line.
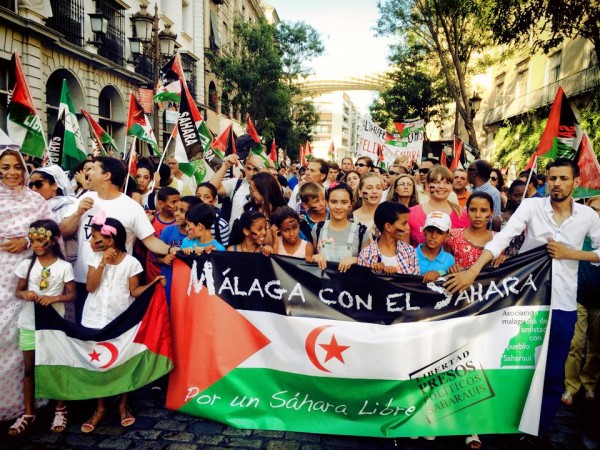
x=361, y=165
x=37, y=184
x=494, y=178
x=44, y=280
x=424, y=171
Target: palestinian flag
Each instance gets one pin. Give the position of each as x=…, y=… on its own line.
x=74, y=152
x=23, y=123
x=169, y=93
x=562, y=134
x=307, y=149
x=76, y=363
x=101, y=138
x=173, y=70
x=252, y=130
x=589, y=170
x=273, y=154
x=301, y=156
x=270, y=343
x=443, y=160
x=138, y=124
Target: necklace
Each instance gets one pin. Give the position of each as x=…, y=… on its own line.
x=256, y=248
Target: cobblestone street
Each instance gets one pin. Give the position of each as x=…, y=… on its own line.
x=159, y=428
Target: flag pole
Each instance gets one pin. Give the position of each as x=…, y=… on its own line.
x=533, y=167
x=131, y=150
x=162, y=158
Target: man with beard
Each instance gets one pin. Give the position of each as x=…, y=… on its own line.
x=561, y=224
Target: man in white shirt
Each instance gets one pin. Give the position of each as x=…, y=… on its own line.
x=561, y=224
x=106, y=177
x=237, y=189
x=316, y=170
x=184, y=184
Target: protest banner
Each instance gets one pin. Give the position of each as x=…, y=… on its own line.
x=407, y=144
x=275, y=343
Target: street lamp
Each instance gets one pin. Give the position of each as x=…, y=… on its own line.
x=475, y=103
x=99, y=25
x=148, y=39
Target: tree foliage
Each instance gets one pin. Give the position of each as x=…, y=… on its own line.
x=415, y=91
x=255, y=69
x=449, y=29
x=544, y=23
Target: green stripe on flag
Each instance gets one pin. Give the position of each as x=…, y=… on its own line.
x=71, y=383
x=491, y=400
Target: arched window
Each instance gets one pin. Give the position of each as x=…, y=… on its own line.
x=212, y=96
x=225, y=105
x=53, y=93
x=111, y=114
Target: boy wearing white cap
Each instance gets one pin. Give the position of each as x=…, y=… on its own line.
x=433, y=260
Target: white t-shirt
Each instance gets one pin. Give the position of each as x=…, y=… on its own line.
x=241, y=197
x=61, y=272
x=112, y=296
x=127, y=211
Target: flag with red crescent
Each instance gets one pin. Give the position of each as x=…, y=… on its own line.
x=77, y=363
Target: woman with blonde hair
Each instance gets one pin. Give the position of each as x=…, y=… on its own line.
x=439, y=186
x=404, y=190
x=368, y=196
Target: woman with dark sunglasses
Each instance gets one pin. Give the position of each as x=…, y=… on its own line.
x=497, y=180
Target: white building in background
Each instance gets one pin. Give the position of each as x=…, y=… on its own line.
x=339, y=122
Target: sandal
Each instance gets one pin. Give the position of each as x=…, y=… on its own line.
x=127, y=418
x=567, y=398
x=473, y=442
x=21, y=425
x=59, y=424
x=91, y=424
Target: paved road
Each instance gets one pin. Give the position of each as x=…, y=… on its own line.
x=159, y=428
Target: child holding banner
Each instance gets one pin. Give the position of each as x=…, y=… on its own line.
x=198, y=223
x=287, y=241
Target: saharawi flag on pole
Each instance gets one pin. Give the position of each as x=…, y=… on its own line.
x=73, y=147
x=272, y=343
x=76, y=363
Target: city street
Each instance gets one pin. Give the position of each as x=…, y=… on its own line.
x=159, y=428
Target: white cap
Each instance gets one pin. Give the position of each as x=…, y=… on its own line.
x=439, y=220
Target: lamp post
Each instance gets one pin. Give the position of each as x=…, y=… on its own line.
x=475, y=103
x=147, y=32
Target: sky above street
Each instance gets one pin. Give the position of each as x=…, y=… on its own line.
x=346, y=28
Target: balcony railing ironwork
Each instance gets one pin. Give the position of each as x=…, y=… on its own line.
x=574, y=84
x=113, y=43
x=67, y=19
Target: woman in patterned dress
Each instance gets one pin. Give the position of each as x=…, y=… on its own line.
x=19, y=207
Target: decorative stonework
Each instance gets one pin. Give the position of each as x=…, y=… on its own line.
x=35, y=10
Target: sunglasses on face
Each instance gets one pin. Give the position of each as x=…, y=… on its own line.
x=424, y=171
x=494, y=178
x=391, y=172
x=361, y=165
x=37, y=184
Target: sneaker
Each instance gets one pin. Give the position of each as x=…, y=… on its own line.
x=567, y=398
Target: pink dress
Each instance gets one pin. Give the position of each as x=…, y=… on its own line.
x=299, y=253
x=416, y=220
x=19, y=207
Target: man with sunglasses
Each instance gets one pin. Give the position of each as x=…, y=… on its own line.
x=421, y=179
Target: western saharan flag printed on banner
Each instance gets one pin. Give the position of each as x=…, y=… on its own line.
x=138, y=124
x=76, y=363
x=101, y=138
x=274, y=343
x=23, y=124
x=73, y=147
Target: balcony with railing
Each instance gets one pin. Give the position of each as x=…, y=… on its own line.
x=113, y=43
x=67, y=19
x=577, y=83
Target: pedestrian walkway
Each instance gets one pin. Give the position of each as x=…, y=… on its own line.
x=159, y=428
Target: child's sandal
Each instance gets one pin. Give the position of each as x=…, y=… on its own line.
x=127, y=418
x=21, y=425
x=91, y=424
x=59, y=424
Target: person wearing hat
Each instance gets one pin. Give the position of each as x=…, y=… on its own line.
x=434, y=261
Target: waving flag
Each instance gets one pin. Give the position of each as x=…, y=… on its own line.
x=138, y=124
x=589, y=170
x=273, y=154
x=457, y=151
x=74, y=152
x=76, y=363
x=56, y=144
x=443, y=160
x=331, y=151
x=301, y=156
x=101, y=138
x=307, y=149
x=270, y=343
x=188, y=126
x=562, y=134
x=23, y=123
x=252, y=131
x=169, y=93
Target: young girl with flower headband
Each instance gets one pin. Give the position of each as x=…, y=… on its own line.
x=46, y=279
x=338, y=239
x=113, y=284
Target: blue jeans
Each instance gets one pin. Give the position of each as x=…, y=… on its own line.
x=562, y=327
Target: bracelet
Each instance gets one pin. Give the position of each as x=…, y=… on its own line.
x=102, y=264
x=169, y=250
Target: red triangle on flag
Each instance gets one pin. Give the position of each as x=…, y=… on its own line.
x=206, y=355
x=308, y=149
x=252, y=131
x=443, y=160
x=222, y=142
x=155, y=328
x=273, y=154
x=589, y=169
x=457, y=150
x=20, y=93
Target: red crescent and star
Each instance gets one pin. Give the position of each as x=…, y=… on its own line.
x=333, y=349
x=114, y=352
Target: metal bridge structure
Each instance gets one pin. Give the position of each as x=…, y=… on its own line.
x=373, y=82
